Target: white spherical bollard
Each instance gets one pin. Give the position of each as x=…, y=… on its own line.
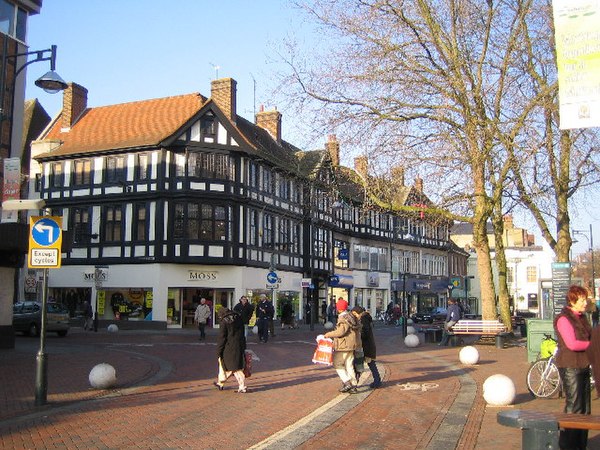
x=103, y=376
x=412, y=340
x=499, y=390
x=469, y=355
x=411, y=330
x=328, y=325
x=255, y=329
x=113, y=328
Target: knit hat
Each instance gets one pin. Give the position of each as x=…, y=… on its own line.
x=341, y=305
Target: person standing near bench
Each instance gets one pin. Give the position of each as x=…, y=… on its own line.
x=452, y=316
x=574, y=331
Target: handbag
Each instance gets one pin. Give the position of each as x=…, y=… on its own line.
x=324, y=352
x=247, y=364
x=359, y=361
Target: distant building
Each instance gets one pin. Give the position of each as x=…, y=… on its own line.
x=529, y=266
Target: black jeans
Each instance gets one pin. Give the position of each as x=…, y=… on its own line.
x=263, y=329
x=576, y=386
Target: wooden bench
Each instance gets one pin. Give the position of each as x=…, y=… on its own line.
x=541, y=429
x=480, y=327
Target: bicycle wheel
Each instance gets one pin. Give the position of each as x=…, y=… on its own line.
x=543, y=379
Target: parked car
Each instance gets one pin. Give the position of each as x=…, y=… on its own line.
x=27, y=318
x=430, y=315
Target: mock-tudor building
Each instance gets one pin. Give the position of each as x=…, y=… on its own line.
x=173, y=199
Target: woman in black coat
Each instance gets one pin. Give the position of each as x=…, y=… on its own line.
x=368, y=343
x=231, y=345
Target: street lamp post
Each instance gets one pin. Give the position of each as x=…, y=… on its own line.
x=41, y=366
x=590, y=240
x=52, y=83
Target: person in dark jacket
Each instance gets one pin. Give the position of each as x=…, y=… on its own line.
x=245, y=309
x=264, y=314
x=574, y=331
x=368, y=343
x=231, y=346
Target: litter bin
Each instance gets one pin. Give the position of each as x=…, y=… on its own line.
x=523, y=328
x=536, y=329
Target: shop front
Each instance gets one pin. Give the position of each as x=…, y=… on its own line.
x=371, y=291
x=420, y=294
x=165, y=295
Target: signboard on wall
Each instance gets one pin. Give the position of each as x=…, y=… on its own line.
x=561, y=280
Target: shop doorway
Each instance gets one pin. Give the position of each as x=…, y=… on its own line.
x=184, y=301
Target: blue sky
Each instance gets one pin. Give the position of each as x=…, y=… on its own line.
x=131, y=50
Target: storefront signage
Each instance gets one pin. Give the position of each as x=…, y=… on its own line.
x=373, y=279
x=199, y=275
x=422, y=286
x=343, y=254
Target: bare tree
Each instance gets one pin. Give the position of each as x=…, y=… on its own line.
x=429, y=79
x=462, y=91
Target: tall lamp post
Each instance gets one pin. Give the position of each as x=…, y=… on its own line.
x=41, y=373
x=52, y=83
x=590, y=240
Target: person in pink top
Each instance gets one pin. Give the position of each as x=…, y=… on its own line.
x=574, y=332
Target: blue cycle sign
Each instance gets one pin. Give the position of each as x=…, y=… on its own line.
x=45, y=232
x=45, y=241
x=272, y=277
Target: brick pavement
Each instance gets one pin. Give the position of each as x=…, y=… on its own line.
x=165, y=398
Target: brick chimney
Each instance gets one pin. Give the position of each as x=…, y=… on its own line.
x=361, y=164
x=270, y=121
x=74, y=104
x=419, y=184
x=333, y=147
x=223, y=93
x=397, y=176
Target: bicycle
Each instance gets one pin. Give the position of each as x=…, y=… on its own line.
x=543, y=378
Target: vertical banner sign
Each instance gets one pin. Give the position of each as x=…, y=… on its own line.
x=577, y=25
x=561, y=280
x=11, y=186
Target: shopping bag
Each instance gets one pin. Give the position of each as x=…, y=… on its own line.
x=252, y=321
x=324, y=352
x=247, y=364
x=359, y=361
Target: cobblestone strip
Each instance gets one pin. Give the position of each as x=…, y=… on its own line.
x=450, y=430
x=323, y=417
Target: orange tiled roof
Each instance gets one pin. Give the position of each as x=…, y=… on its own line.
x=127, y=125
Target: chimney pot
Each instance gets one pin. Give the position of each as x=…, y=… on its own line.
x=333, y=148
x=270, y=121
x=74, y=104
x=223, y=93
x=419, y=184
x=361, y=166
